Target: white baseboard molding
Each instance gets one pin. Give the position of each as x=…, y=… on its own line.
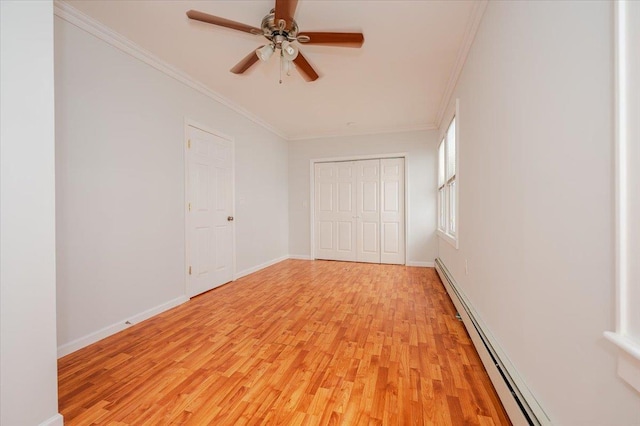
x=421, y=264
x=91, y=338
x=520, y=404
x=409, y=263
x=56, y=420
x=253, y=269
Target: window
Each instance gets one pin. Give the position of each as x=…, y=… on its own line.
x=441, y=194
x=447, y=187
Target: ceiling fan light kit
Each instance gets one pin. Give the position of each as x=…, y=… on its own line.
x=281, y=30
x=289, y=51
x=265, y=52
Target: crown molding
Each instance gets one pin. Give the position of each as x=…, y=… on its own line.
x=379, y=131
x=75, y=17
x=72, y=15
x=477, y=13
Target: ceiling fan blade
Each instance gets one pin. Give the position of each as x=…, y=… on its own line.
x=333, y=39
x=285, y=9
x=305, y=68
x=222, y=22
x=245, y=63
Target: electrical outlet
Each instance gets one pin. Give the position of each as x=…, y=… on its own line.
x=466, y=267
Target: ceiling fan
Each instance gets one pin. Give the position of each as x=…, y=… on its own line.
x=279, y=27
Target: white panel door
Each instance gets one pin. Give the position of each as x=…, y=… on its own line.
x=368, y=211
x=359, y=211
x=335, y=214
x=210, y=211
x=325, y=187
x=392, y=211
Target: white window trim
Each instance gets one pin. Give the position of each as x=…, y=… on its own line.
x=626, y=136
x=448, y=238
x=452, y=239
x=441, y=205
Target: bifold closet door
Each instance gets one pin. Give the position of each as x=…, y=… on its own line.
x=359, y=211
x=368, y=211
x=392, y=223
x=335, y=204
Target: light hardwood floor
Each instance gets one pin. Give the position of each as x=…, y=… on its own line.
x=300, y=342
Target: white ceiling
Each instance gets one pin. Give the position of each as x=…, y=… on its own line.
x=398, y=80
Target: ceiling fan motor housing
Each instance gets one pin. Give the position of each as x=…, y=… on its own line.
x=276, y=32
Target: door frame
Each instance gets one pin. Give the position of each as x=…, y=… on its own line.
x=187, y=251
x=312, y=194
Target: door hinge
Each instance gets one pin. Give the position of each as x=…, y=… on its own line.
x=188, y=143
x=189, y=206
x=189, y=270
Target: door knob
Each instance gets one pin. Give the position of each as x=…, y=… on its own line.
x=230, y=218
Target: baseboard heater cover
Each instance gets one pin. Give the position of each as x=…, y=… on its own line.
x=519, y=402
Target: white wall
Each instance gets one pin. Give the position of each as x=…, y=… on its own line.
x=120, y=184
x=536, y=202
x=420, y=147
x=28, y=369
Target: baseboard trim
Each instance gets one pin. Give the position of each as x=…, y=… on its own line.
x=91, y=338
x=520, y=404
x=421, y=264
x=253, y=269
x=56, y=420
x=410, y=263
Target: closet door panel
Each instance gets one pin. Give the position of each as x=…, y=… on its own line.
x=335, y=217
x=368, y=211
x=392, y=215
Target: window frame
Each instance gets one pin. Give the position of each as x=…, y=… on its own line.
x=627, y=276
x=448, y=187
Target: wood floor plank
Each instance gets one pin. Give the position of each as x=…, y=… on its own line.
x=300, y=342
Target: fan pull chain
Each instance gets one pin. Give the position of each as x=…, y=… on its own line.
x=281, y=64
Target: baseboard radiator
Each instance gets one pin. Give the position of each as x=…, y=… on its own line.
x=518, y=401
